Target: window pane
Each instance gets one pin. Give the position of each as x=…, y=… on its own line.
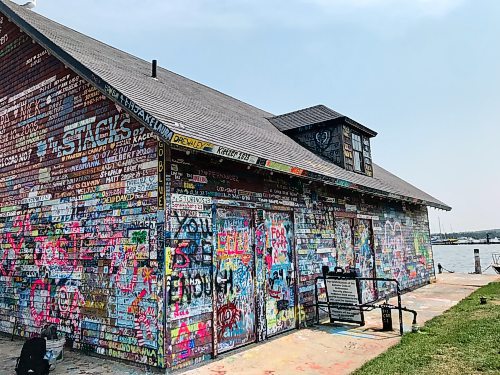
x=357, y=161
x=356, y=142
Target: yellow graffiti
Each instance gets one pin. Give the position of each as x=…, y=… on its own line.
x=193, y=143
x=168, y=261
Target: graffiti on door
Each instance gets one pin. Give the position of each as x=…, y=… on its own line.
x=280, y=273
x=364, y=258
x=190, y=279
x=345, y=249
x=235, y=288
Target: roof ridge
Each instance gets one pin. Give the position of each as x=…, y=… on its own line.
x=322, y=106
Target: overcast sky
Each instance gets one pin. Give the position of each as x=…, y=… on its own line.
x=425, y=74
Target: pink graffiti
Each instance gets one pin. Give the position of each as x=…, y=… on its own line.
x=177, y=311
x=51, y=253
x=260, y=239
x=180, y=252
x=185, y=344
x=279, y=243
x=202, y=330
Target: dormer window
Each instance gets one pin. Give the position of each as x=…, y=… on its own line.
x=330, y=135
x=357, y=151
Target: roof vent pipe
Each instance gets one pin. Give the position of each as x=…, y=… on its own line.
x=155, y=65
x=30, y=4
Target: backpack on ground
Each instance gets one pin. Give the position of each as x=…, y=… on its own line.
x=31, y=361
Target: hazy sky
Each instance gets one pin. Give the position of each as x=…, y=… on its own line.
x=425, y=74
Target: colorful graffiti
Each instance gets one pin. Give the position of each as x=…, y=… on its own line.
x=280, y=273
x=235, y=285
x=365, y=258
x=401, y=251
x=345, y=245
x=190, y=279
x=104, y=235
x=315, y=241
x=78, y=197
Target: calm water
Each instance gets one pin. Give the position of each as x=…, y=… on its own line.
x=460, y=258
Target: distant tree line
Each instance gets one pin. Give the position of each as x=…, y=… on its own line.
x=477, y=235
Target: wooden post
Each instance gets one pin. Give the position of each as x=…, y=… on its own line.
x=477, y=261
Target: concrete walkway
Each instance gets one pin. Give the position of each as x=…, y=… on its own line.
x=320, y=350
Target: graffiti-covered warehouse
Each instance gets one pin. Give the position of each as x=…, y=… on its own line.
x=162, y=222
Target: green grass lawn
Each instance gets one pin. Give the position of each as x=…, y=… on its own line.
x=464, y=340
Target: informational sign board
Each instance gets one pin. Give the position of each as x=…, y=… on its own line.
x=343, y=291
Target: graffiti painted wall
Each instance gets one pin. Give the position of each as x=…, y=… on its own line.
x=155, y=255
x=267, y=242
x=402, y=247
x=365, y=258
x=189, y=275
x=78, y=210
x=333, y=141
x=315, y=237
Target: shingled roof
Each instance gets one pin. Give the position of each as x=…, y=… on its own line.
x=309, y=116
x=312, y=116
x=173, y=103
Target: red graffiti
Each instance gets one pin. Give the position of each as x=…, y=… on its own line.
x=184, y=344
x=203, y=332
x=134, y=307
x=140, y=320
x=232, y=243
x=227, y=318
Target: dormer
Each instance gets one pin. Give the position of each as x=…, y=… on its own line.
x=330, y=135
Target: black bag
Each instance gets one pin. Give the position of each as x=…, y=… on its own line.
x=31, y=358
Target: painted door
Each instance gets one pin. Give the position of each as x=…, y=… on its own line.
x=345, y=245
x=235, y=286
x=280, y=273
x=365, y=258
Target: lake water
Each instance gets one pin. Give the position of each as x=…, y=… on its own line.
x=460, y=258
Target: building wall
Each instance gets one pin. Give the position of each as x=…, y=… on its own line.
x=96, y=217
x=78, y=210
x=324, y=140
x=331, y=227
x=333, y=141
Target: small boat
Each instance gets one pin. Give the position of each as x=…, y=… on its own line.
x=496, y=262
